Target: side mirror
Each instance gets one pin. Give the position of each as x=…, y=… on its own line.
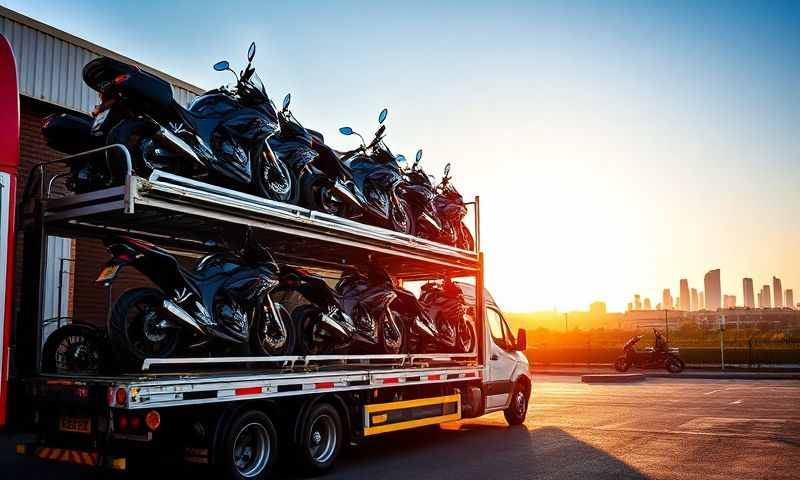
x=419, y=155
x=251, y=52
x=222, y=66
x=382, y=115
x=346, y=131
x=522, y=340
x=286, y=100
x=447, y=170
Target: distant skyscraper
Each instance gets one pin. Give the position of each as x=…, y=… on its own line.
x=647, y=304
x=693, y=300
x=729, y=301
x=713, y=290
x=597, y=309
x=666, y=299
x=701, y=301
x=637, y=302
x=766, y=297
x=747, y=292
x=789, y=298
x=630, y=306
x=777, y=291
x=685, y=299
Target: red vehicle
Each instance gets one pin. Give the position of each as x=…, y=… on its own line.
x=661, y=355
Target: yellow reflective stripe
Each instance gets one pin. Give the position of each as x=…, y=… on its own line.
x=392, y=427
x=383, y=407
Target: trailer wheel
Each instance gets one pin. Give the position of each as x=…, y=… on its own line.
x=516, y=412
x=320, y=439
x=249, y=447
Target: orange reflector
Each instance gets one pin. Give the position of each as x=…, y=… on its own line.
x=153, y=420
x=121, y=396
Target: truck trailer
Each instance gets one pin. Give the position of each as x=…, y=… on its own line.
x=236, y=414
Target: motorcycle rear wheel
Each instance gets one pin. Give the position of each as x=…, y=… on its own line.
x=673, y=364
x=316, y=194
x=133, y=328
x=304, y=319
x=622, y=364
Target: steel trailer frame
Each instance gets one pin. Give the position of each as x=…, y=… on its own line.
x=155, y=207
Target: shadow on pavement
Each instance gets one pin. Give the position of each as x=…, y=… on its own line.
x=462, y=451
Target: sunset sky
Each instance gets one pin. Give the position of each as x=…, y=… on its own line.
x=617, y=146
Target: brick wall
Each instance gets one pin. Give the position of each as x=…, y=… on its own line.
x=88, y=302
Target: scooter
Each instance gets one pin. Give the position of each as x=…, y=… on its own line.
x=660, y=356
x=224, y=300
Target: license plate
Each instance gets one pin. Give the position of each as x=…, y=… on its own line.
x=75, y=424
x=99, y=119
x=107, y=273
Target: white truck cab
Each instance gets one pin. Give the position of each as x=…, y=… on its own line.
x=506, y=373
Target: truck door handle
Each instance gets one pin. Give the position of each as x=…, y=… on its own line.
x=493, y=357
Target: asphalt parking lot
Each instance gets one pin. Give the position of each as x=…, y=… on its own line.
x=661, y=428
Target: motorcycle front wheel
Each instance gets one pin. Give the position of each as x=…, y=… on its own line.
x=273, y=336
x=464, y=238
x=136, y=329
x=674, y=364
x=393, y=333
x=402, y=217
x=273, y=179
x=465, y=337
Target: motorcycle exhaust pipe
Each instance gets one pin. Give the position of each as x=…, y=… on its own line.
x=182, y=315
x=333, y=327
x=176, y=144
x=425, y=328
x=432, y=222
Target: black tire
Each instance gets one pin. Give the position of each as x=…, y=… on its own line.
x=273, y=179
x=466, y=338
x=315, y=195
x=278, y=342
x=129, y=336
x=673, y=364
x=394, y=342
x=402, y=217
x=464, y=238
x=518, y=409
x=304, y=318
x=320, y=438
x=248, y=448
x=621, y=364
x=75, y=349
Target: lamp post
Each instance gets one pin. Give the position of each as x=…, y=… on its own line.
x=722, y=341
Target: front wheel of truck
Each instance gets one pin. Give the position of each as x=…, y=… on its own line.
x=516, y=412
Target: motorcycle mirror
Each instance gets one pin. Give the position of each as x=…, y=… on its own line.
x=222, y=66
x=447, y=170
x=419, y=155
x=382, y=115
x=251, y=52
x=346, y=131
x=286, y=100
x=522, y=341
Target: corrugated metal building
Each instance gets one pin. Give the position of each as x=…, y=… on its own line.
x=49, y=66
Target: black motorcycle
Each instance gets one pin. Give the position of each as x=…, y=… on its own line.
x=445, y=304
x=451, y=210
x=378, y=173
x=363, y=314
x=659, y=356
x=224, y=300
x=221, y=137
x=417, y=189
